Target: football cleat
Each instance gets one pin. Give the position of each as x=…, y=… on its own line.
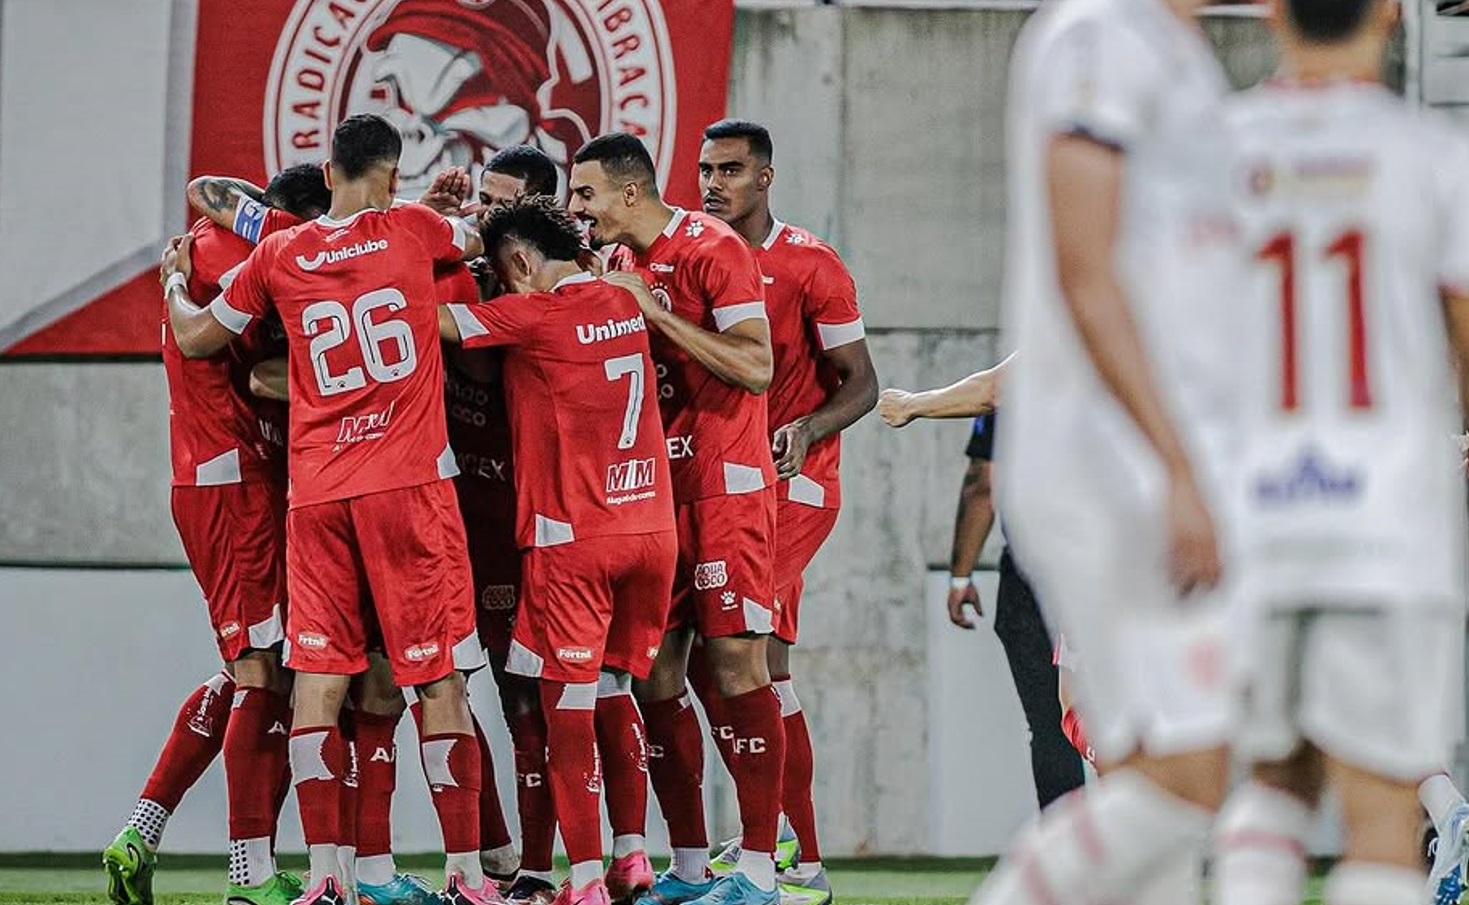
x=671, y=889
x=736, y=889
x=629, y=877
x=594, y=893
x=795, y=889
x=1450, y=859
x=129, y=864
x=456, y=892
x=326, y=892
x=281, y=889
x=787, y=852
x=530, y=891
x=403, y=889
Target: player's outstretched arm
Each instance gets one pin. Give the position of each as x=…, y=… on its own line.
x=218, y=197
x=1085, y=181
x=195, y=330
x=855, y=396
x=270, y=380
x=975, y=395
x=740, y=355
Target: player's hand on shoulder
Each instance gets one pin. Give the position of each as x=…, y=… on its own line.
x=591, y=262
x=633, y=283
x=176, y=258
x=1194, y=559
x=895, y=407
x=789, y=445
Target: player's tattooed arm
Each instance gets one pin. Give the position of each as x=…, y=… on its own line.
x=218, y=197
x=195, y=330
x=975, y=395
x=740, y=355
x=270, y=380
x=855, y=396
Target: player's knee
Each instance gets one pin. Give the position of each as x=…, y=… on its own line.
x=260, y=669
x=447, y=689
x=1302, y=775
x=778, y=656
x=738, y=664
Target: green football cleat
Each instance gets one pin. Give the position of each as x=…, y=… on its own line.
x=787, y=852
x=281, y=889
x=795, y=889
x=129, y=864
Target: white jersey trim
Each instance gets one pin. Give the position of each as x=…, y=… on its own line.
x=673, y=222
x=447, y=464
x=578, y=696
x=758, y=618
x=462, y=231
x=552, y=532
x=220, y=470
x=729, y=315
x=802, y=489
x=523, y=661
x=232, y=319
x=740, y=479
x=834, y=335
x=575, y=278
x=469, y=325
x=468, y=654
x=775, y=229
x=268, y=632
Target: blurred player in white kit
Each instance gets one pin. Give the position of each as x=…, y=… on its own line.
x=1354, y=216
x=1118, y=431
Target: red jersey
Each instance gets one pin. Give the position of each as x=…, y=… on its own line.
x=577, y=376
x=812, y=303
x=218, y=432
x=474, y=399
x=366, y=376
x=718, y=437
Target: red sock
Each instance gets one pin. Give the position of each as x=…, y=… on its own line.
x=676, y=766
x=351, y=780
x=193, y=744
x=623, y=742
x=256, y=750
x=757, y=763
x=1075, y=732
x=799, y=774
x=493, y=833
x=451, y=765
x=532, y=794
x=377, y=779
x=701, y=680
x=318, y=763
x=573, y=767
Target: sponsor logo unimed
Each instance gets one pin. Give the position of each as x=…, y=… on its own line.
x=586, y=334
x=337, y=255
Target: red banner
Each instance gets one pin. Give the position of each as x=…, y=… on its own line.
x=460, y=78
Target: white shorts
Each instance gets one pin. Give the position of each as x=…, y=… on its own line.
x=1153, y=673
x=1378, y=689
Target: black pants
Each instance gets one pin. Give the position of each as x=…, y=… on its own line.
x=1018, y=623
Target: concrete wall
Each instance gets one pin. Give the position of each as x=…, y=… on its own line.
x=889, y=141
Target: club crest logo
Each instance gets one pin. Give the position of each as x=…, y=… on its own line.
x=462, y=79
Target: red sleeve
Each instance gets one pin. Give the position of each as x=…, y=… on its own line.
x=507, y=321
x=829, y=305
x=277, y=220
x=248, y=295
x=442, y=238
x=731, y=281
x=454, y=283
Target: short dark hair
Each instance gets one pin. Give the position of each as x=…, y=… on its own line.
x=1327, y=21
x=757, y=135
x=529, y=164
x=363, y=141
x=299, y=190
x=623, y=156
x=535, y=220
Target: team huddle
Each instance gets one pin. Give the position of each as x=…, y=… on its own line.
x=592, y=444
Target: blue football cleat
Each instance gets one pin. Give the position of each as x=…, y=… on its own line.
x=671, y=889
x=736, y=889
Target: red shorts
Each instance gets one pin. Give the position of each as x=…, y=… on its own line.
x=494, y=562
x=235, y=538
x=399, y=553
x=800, y=530
x=725, y=584
x=593, y=603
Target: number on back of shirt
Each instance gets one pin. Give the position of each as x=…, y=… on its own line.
x=628, y=366
x=388, y=353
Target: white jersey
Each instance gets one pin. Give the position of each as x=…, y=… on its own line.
x=1127, y=73
x=1354, y=211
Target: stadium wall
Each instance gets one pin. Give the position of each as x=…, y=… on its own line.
x=888, y=127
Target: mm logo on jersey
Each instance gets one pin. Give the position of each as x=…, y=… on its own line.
x=634, y=474
x=337, y=255
x=710, y=575
x=1310, y=479
x=356, y=428
x=463, y=79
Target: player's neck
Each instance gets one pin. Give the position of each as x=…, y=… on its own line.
x=756, y=226
x=1359, y=60
x=354, y=197
x=648, y=224
x=554, y=272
